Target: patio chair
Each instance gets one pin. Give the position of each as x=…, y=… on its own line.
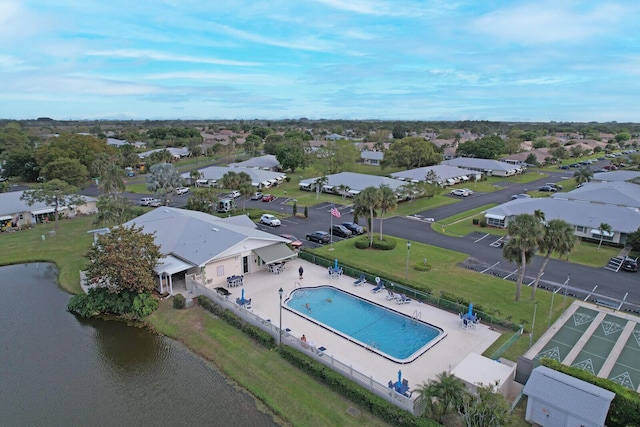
x=378, y=288
x=361, y=280
x=390, y=295
x=402, y=299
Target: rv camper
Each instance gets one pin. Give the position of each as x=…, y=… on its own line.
x=225, y=205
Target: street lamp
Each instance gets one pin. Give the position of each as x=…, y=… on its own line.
x=280, y=292
x=533, y=324
x=406, y=275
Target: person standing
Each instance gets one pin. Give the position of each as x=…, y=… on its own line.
x=301, y=272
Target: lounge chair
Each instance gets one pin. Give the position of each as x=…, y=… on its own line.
x=378, y=288
x=402, y=299
x=361, y=280
x=390, y=295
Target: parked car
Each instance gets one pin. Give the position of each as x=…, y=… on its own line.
x=149, y=201
x=564, y=167
x=182, y=190
x=267, y=198
x=257, y=195
x=459, y=192
x=520, y=196
x=610, y=167
x=547, y=188
x=630, y=264
x=340, y=230
x=269, y=219
x=574, y=165
x=319, y=236
x=294, y=241
x=554, y=185
x=235, y=194
x=353, y=227
x=469, y=192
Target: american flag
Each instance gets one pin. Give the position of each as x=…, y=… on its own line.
x=335, y=212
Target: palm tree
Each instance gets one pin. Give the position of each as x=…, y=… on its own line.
x=319, y=183
x=583, y=175
x=111, y=180
x=558, y=237
x=343, y=189
x=163, y=179
x=195, y=175
x=246, y=190
x=525, y=231
x=442, y=396
x=603, y=228
x=387, y=202
x=366, y=203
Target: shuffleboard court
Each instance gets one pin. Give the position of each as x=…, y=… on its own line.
x=626, y=371
x=597, y=348
x=567, y=336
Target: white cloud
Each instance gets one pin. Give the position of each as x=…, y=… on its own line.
x=304, y=43
x=159, y=56
x=550, y=21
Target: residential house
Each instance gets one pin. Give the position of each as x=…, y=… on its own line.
x=615, y=176
x=487, y=167
x=210, y=176
x=268, y=162
x=625, y=194
x=209, y=248
x=445, y=174
x=371, y=157
x=356, y=182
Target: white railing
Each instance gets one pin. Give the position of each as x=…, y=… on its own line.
x=414, y=406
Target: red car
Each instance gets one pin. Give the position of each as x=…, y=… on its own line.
x=267, y=198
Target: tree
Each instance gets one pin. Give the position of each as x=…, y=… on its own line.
x=163, y=179
x=83, y=148
x=343, y=189
x=583, y=175
x=442, y=396
x=487, y=408
x=524, y=236
x=488, y=147
x=21, y=162
x=319, y=183
x=387, y=202
x=531, y=159
x=202, y=199
x=271, y=142
x=123, y=260
x=633, y=240
x=291, y=155
x=55, y=192
x=114, y=211
x=195, y=149
x=602, y=229
x=195, y=175
x=252, y=145
x=65, y=169
x=411, y=152
x=558, y=237
x=336, y=155
x=246, y=190
x=111, y=181
x=366, y=203
x=12, y=135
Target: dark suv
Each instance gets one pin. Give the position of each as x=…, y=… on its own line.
x=353, y=227
x=319, y=236
x=340, y=231
x=630, y=264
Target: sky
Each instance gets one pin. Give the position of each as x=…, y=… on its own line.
x=529, y=60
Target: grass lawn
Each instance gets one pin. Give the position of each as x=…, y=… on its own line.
x=286, y=390
x=462, y=224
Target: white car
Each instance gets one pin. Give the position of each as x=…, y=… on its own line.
x=149, y=201
x=269, y=219
x=235, y=194
x=459, y=192
x=182, y=190
x=469, y=192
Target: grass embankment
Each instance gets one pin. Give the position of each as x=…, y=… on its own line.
x=289, y=392
x=286, y=390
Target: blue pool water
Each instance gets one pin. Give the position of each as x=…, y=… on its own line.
x=394, y=335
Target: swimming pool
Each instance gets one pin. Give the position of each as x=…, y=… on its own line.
x=391, y=334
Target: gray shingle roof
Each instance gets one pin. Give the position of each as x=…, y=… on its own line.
x=586, y=214
x=267, y=161
x=358, y=181
x=569, y=394
x=616, y=176
x=198, y=237
x=444, y=172
x=372, y=155
x=10, y=203
x=217, y=172
x=612, y=193
x=485, y=164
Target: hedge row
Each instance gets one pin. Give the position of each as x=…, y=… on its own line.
x=384, y=245
x=336, y=382
x=354, y=392
x=625, y=407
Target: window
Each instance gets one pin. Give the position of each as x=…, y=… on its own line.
x=220, y=270
x=579, y=229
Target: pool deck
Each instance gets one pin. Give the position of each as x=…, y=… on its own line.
x=262, y=288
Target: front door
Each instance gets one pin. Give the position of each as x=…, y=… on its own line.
x=245, y=264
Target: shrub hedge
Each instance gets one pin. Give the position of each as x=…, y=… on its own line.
x=336, y=382
x=179, y=302
x=385, y=244
x=625, y=407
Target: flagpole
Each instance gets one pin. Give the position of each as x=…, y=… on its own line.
x=331, y=227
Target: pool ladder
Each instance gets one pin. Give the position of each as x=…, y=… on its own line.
x=417, y=315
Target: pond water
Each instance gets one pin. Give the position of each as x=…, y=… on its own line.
x=57, y=369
